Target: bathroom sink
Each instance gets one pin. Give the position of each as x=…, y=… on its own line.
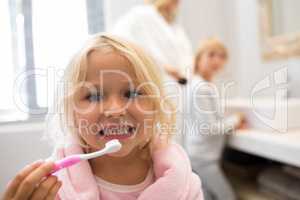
x=267, y=113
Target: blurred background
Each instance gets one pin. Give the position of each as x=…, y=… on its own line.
x=263, y=41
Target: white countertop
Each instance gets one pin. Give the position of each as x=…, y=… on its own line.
x=282, y=147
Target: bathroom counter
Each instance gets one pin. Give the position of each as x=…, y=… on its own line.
x=281, y=147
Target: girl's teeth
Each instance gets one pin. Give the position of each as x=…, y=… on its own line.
x=101, y=132
x=117, y=131
x=130, y=129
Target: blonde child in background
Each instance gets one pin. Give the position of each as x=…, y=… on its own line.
x=113, y=91
x=205, y=143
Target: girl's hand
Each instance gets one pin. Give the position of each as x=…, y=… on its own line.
x=33, y=183
x=242, y=121
x=174, y=73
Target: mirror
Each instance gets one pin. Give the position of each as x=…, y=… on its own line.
x=285, y=17
x=280, y=28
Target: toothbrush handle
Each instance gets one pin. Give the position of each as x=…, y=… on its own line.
x=66, y=162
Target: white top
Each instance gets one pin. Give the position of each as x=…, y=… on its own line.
x=204, y=126
x=168, y=44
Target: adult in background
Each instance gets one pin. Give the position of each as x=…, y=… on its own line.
x=154, y=26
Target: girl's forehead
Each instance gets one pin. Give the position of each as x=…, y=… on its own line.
x=110, y=64
x=215, y=49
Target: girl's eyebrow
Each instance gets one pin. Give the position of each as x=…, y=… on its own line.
x=98, y=86
x=133, y=81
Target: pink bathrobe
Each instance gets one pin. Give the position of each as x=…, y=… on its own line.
x=174, y=179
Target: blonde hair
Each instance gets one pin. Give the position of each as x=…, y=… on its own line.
x=158, y=3
x=145, y=70
x=207, y=45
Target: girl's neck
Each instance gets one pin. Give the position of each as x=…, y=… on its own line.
x=129, y=170
x=207, y=77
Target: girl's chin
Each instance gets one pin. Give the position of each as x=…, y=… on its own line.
x=121, y=153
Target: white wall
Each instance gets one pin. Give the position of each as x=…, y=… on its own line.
x=250, y=67
x=20, y=145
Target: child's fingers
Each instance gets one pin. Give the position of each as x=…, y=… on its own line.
x=44, y=188
x=33, y=179
x=53, y=192
x=15, y=183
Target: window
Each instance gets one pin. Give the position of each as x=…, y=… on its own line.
x=39, y=37
x=7, y=65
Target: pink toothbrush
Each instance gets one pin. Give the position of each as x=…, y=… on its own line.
x=110, y=147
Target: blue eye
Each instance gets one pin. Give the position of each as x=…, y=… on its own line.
x=132, y=94
x=95, y=97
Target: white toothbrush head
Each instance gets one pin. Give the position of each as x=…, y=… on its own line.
x=110, y=147
x=113, y=146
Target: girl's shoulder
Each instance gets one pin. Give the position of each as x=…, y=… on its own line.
x=196, y=79
x=172, y=167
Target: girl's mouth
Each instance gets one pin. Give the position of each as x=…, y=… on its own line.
x=117, y=131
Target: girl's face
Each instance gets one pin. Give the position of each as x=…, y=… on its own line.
x=211, y=62
x=110, y=105
x=172, y=5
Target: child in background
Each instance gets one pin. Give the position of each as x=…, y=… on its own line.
x=113, y=92
x=205, y=143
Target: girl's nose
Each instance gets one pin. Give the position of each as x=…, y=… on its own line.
x=116, y=107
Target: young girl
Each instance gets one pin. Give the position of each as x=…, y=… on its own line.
x=205, y=143
x=113, y=92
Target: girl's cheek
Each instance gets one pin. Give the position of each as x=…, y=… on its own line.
x=203, y=63
x=198, y=65
x=85, y=122
x=208, y=62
